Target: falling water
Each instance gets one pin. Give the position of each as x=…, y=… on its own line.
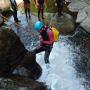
x=61, y=75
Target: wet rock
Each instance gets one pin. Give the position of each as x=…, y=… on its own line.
x=20, y=83
x=64, y=23
x=83, y=9
x=1, y=20
x=84, y=19
x=13, y=54
x=29, y=62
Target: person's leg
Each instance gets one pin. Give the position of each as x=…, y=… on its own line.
x=58, y=9
x=61, y=7
x=39, y=10
x=28, y=7
x=47, y=53
x=25, y=8
x=26, y=12
x=38, y=50
x=42, y=11
x=15, y=16
x=46, y=56
x=29, y=13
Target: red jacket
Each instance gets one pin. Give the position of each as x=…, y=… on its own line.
x=50, y=37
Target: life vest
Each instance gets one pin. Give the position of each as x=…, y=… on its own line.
x=44, y=35
x=55, y=33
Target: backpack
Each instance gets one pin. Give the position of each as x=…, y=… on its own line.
x=56, y=34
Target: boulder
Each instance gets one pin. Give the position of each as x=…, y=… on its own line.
x=75, y=5
x=83, y=9
x=83, y=18
x=64, y=23
x=14, y=54
x=21, y=83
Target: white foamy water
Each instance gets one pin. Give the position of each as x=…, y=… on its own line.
x=61, y=75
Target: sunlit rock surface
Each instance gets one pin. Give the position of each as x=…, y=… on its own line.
x=83, y=9
x=13, y=54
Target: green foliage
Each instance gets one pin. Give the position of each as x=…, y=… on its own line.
x=33, y=8
x=49, y=7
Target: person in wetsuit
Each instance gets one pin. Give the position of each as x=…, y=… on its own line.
x=46, y=41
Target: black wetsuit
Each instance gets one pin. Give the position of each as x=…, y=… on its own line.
x=45, y=47
x=41, y=8
x=59, y=6
x=14, y=7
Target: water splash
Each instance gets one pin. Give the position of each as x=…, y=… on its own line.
x=61, y=75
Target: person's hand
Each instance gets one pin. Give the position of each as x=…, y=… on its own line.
x=65, y=2
x=55, y=4
x=40, y=38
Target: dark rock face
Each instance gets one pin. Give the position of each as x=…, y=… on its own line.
x=29, y=62
x=81, y=44
x=1, y=20
x=21, y=83
x=13, y=54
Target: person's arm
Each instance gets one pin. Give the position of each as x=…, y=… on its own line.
x=51, y=38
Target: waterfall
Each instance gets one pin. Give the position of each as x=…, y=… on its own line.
x=61, y=75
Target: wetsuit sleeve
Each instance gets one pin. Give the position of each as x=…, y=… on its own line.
x=51, y=38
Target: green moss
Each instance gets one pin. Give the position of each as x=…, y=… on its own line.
x=33, y=8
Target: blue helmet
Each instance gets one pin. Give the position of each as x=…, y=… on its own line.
x=38, y=25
